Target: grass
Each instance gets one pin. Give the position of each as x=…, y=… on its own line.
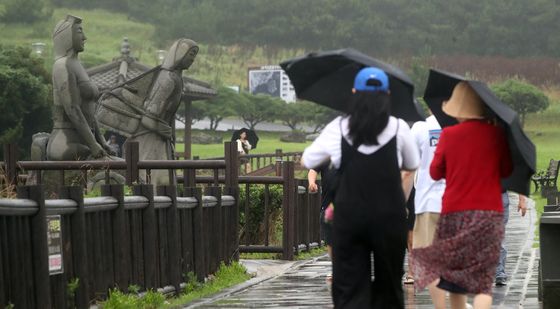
x=268, y=143
x=306, y=255
x=225, y=277
x=260, y=256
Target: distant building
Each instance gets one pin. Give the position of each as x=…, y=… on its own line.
x=271, y=80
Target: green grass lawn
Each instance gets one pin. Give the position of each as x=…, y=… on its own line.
x=268, y=143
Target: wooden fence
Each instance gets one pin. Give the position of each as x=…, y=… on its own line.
x=151, y=239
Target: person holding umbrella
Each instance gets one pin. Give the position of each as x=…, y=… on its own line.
x=472, y=157
x=370, y=149
x=246, y=140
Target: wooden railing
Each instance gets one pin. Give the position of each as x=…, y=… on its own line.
x=151, y=238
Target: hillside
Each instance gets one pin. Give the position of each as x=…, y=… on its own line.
x=105, y=30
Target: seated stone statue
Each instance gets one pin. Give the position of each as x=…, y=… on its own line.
x=76, y=134
x=143, y=109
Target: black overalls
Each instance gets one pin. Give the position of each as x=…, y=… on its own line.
x=369, y=216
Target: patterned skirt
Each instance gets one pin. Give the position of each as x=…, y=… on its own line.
x=464, y=254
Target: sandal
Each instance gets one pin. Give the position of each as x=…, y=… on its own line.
x=408, y=280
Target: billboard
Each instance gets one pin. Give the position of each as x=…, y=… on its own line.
x=271, y=80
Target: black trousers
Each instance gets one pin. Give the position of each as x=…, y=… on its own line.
x=356, y=236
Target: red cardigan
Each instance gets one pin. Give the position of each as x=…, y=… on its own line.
x=472, y=157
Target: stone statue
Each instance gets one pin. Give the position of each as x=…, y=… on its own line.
x=76, y=134
x=143, y=108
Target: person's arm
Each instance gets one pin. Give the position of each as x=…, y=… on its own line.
x=312, y=180
x=437, y=168
x=407, y=178
x=325, y=147
x=248, y=145
x=522, y=206
x=240, y=147
x=66, y=85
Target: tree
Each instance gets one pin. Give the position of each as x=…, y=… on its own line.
x=26, y=11
x=320, y=116
x=254, y=109
x=523, y=97
x=217, y=108
x=293, y=114
x=26, y=97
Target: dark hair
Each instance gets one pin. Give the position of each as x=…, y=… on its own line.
x=369, y=115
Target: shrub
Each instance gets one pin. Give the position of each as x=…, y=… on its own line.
x=253, y=224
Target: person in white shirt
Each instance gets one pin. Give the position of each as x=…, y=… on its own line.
x=427, y=200
x=243, y=147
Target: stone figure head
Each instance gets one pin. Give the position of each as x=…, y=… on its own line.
x=181, y=55
x=68, y=37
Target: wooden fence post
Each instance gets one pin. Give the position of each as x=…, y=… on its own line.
x=232, y=188
x=173, y=237
x=149, y=236
x=198, y=234
x=132, y=156
x=79, y=249
x=279, y=160
x=10, y=161
x=217, y=226
x=288, y=209
x=39, y=245
x=121, y=262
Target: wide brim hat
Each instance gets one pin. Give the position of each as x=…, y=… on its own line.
x=464, y=103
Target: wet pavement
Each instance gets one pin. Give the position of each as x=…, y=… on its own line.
x=302, y=284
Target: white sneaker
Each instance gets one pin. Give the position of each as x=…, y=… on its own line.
x=468, y=306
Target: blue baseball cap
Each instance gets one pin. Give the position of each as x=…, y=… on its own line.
x=371, y=79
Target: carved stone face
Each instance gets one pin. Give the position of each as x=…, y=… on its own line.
x=188, y=60
x=78, y=37
x=181, y=55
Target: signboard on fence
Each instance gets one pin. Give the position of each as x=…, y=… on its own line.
x=54, y=242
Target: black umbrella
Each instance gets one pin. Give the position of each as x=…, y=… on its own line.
x=523, y=153
x=327, y=78
x=251, y=136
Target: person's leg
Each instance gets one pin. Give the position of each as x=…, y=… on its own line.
x=458, y=301
x=482, y=301
x=351, y=266
x=437, y=295
x=389, y=246
x=501, y=276
x=410, y=275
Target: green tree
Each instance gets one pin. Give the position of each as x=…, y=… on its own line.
x=523, y=97
x=254, y=109
x=26, y=97
x=217, y=108
x=25, y=11
x=319, y=116
x=293, y=114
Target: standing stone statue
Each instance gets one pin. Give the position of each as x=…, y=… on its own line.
x=143, y=108
x=76, y=134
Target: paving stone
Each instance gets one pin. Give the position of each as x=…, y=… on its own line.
x=304, y=286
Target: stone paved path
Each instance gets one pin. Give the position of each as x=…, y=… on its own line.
x=304, y=286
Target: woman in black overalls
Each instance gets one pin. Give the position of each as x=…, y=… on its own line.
x=370, y=210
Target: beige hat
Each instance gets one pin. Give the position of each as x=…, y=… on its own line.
x=464, y=103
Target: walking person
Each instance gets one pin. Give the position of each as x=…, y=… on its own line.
x=501, y=276
x=370, y=149
x=326, y=199
x=428, y=194
x=472, y=157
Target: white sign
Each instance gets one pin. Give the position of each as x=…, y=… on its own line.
x=271, y=80
x=54, y=242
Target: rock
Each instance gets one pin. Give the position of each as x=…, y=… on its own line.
x=293, y=137
x=206, y=139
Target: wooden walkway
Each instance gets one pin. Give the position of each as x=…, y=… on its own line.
x=304, y=286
